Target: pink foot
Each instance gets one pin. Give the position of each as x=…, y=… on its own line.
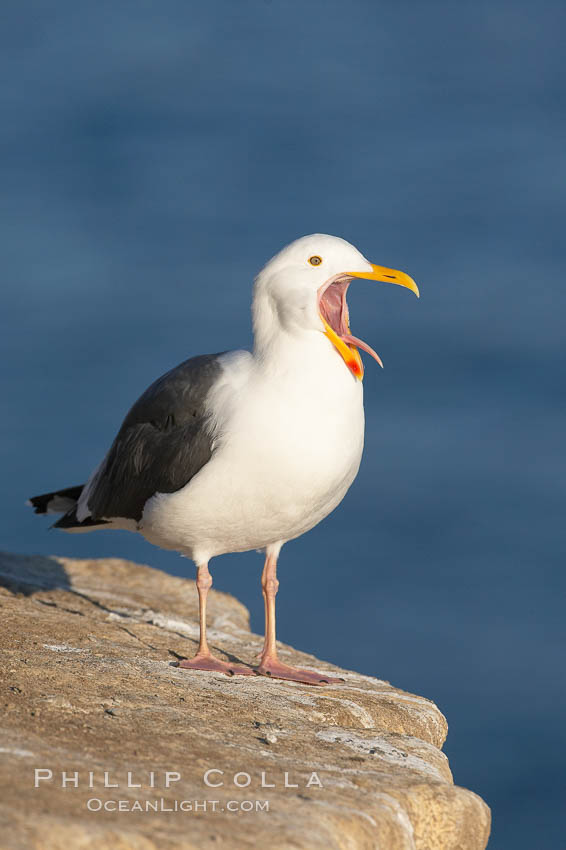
x=277, y=670
x=215, y=665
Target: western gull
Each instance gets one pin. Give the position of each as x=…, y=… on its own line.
x=245, y=450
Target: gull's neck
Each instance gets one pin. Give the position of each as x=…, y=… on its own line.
x=264, y=321
x=287, y=352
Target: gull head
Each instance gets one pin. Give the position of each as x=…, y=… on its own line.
x=303, y=289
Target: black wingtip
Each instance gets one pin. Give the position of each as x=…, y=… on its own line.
x=56, y=502
x=70, y=520
x=39, y=503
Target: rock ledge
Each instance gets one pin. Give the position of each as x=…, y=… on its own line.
x=91, y=700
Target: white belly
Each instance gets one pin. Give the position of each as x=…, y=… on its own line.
x=288, y=452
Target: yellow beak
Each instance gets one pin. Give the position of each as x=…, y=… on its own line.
x=386, y=275
x=349, y=353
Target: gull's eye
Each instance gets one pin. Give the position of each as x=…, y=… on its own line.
x=315, y=260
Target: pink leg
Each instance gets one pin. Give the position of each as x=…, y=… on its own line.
x=204, y=660
x=269, y=664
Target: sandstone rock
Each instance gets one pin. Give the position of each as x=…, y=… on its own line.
x=89, y=690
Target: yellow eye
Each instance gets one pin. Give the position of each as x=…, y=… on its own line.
x=315, y=260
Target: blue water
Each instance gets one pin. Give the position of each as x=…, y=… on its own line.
x=155, y=155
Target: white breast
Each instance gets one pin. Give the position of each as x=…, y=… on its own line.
x=289, y=445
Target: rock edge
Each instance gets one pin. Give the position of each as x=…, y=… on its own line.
x=88, y=686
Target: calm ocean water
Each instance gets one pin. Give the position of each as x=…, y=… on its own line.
x=155, y=156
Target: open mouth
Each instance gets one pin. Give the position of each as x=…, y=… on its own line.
x=333, y=309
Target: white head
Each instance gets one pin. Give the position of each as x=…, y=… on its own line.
x=303, y=290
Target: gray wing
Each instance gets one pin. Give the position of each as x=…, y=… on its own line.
x=162, y=444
